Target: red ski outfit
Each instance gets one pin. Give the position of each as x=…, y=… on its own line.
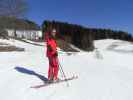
x=53, y=58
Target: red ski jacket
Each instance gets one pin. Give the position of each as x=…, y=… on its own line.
x=51, y=48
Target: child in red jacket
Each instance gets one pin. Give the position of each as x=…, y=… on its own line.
x=52, y=56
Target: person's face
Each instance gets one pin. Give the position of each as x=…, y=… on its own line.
x=53, y=34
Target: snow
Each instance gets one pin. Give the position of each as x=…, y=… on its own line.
x=104, y=74
x=36, y=43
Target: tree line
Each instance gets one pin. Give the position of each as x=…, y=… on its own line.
x=81, y=36
x=7, y=22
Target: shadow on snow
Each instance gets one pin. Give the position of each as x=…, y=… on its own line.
x=30, y=72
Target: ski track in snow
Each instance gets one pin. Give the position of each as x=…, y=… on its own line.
x=102, y=75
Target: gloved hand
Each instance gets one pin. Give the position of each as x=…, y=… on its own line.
x=56, y=54
x=49, y=48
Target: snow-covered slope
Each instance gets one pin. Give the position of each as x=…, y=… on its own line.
x=104, y=74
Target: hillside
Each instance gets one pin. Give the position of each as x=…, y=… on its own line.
x=12, y=22
x=103, y=74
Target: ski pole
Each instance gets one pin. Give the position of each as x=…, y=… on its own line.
x=62, y=72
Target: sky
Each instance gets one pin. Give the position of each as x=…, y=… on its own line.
x=112, y=14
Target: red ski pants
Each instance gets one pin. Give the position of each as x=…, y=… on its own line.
x=53, y=68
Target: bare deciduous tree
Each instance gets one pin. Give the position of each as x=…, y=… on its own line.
x=13, y=8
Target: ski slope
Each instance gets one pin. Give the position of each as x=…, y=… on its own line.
x=104, y=74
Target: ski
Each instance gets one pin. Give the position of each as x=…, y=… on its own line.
x=60, y=81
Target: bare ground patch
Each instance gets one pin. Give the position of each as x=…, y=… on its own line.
x=4, y=47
